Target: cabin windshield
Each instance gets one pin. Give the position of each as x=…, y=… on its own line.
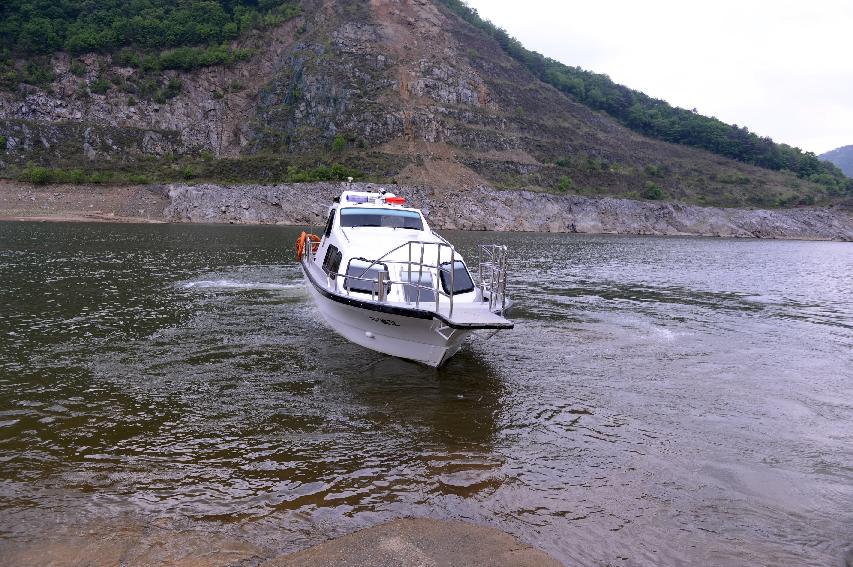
x=391, y=218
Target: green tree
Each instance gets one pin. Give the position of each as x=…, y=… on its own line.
x=32, y=27
x=565, y=184
x=652, y=191
x=339, y=144
x=36, y=174
x=77, y=68
x=38, y=73
x=38, y=35
x=99, y=86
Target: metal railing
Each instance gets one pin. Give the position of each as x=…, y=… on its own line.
x=492, y=273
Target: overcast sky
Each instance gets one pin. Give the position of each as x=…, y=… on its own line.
x=784, y=69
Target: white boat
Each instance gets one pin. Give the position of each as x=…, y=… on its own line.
x=383, y=279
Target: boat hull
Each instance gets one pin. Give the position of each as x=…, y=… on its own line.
x=414, y=337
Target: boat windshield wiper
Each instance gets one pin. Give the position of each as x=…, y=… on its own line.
x=382, y=226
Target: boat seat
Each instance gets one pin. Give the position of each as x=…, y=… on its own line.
x=410, y=290
x=362, y=276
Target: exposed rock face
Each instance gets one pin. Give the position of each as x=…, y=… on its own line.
x=209, y=113
x=490, y=209
x=249, y=204
x=479, y=208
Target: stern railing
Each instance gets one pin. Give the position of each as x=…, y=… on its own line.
x=493, y=275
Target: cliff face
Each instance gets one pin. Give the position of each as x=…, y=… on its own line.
x=410, y=92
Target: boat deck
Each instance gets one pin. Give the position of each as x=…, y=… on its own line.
x=473, y=315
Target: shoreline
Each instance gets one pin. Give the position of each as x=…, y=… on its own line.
x=106, y=219
x=477, y=209
x=407, y=542
x=93, y=218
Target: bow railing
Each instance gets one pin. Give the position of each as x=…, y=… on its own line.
x=415, y=263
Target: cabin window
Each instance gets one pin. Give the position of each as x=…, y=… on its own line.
x=332, y=261
x=419, y=280
x=330, y=222
x=390, y=218
x=362, y=276
x=462, y=282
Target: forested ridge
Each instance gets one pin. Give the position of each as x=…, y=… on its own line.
x=81, y=26
x=657, y=118
x=841, y=157
x=150, y=34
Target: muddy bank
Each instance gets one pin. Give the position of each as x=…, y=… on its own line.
x=91, y=203
x=404, y=542
x=472, y=209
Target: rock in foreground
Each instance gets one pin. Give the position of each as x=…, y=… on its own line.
x=421, y=542
x=401, y=543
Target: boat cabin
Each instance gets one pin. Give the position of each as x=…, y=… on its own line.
x=374, y=237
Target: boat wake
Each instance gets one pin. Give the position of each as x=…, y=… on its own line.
x=233, y=284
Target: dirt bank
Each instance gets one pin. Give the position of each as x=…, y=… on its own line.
x=91, y=203
x=480, y=208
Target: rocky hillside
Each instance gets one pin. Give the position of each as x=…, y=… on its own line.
x=842, y=157
x=394, y=90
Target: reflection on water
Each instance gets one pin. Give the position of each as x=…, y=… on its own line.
x=660, y=400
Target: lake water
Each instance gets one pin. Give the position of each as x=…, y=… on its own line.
x=660, y=400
